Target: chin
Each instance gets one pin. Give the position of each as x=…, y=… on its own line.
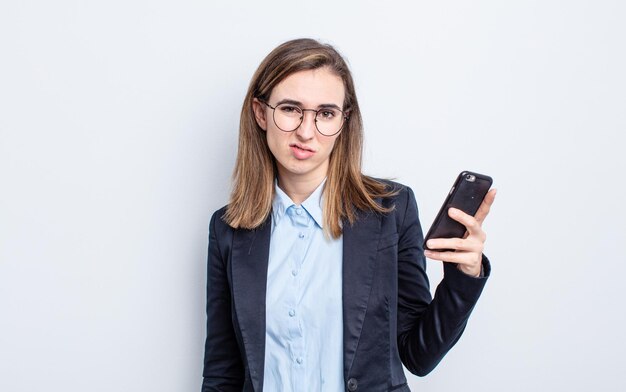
x=298, y=167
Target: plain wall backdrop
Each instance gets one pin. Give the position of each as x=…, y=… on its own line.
x=118, y=133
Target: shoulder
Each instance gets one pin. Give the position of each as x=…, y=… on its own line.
x=218, y=225
x=218, y=215
x=403, y=214
x=399, y=195
x=400, y=201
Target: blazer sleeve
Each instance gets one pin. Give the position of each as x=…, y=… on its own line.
x=223, y=367
x=428, y=328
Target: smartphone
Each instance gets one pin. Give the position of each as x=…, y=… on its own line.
x=466, y=194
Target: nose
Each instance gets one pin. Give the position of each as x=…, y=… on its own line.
x=307, y=129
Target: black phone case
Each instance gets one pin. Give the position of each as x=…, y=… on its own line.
x=466, y=194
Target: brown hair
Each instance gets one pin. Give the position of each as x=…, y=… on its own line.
x=346, y=189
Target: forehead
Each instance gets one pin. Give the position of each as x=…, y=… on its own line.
x=311, y=87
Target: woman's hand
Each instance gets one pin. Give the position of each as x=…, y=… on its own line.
x=468, y=250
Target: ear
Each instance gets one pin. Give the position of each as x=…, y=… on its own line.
x=259, y=113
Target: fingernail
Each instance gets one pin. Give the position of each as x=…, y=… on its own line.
x=429, y=244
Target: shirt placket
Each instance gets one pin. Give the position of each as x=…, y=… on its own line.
x=301, y=222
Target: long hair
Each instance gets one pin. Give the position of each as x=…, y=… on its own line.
x=346, y=190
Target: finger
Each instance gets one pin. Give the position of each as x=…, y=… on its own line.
x=485, y=206
x=454, y=243
x=470, y=223
x=464, y=258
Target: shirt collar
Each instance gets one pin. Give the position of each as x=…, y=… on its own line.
x=312, y=205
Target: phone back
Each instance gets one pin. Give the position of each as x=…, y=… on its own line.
x=466, y=194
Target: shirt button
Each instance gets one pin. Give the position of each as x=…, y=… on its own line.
x=352, y=385
x=299, y=360
x=294, y=272
x=292, y=313
x=299, y=211
x=301, y=235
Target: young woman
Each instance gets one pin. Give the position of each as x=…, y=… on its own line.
x=316, y=273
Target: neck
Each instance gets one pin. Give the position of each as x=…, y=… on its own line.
x=297, y=188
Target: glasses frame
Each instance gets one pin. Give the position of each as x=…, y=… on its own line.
x=345, y=118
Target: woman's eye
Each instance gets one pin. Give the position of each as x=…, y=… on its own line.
x=328, y=114
x=290, y=109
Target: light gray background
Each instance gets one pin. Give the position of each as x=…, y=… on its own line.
x=118, y=123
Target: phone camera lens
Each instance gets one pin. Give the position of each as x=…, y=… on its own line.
x=470, y=178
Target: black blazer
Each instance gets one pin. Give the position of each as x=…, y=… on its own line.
x=389, y=317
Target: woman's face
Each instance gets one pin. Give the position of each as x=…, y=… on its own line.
x=303, y=154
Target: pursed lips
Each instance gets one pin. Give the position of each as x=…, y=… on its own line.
x=302, y=147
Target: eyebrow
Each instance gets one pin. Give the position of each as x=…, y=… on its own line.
x=298, y=103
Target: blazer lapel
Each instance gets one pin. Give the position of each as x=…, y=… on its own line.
x=359, y=255
x=250, y=255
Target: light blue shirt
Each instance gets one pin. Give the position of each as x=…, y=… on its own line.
x=304, y=311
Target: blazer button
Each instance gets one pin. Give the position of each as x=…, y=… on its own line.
x=352, y=385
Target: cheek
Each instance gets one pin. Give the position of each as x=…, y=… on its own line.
x=329, y=144
x=271, y=142
x=274, y=141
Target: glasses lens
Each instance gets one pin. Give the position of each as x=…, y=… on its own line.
x=329, y=121
x=287, y=117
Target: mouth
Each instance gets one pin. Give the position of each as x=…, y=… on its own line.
x=301, y=152
x=301, y=147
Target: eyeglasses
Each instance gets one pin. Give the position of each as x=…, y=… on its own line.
x=288, y=117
